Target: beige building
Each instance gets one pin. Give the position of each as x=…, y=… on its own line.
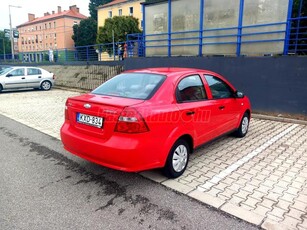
x=42, y=36
x=120, y=8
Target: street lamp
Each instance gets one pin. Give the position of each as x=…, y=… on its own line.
x=11, y=31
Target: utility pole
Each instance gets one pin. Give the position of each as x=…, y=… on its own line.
x=11, y=31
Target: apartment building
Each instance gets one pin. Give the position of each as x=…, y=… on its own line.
x=120, y=8
x=43, y=36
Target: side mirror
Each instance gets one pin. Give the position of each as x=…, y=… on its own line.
x=239, y=94
x=9, y=75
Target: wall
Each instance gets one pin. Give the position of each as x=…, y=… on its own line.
x=273, y=84
x=87, y=77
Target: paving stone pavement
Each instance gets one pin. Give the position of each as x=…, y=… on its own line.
x=261, y=178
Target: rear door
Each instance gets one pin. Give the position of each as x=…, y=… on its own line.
x=33, y=77
x=15, y=79
x=226, y=108
x=195, y=109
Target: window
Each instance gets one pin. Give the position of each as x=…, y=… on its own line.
x=120, y=12
x=18, y=72
x=75, y=23
x=54, y=24
x=49, y=25
x=110, y=14
x=33, y=71
x=45, y=26
x=130, y=11
x=131, y=85
x=219, y=89
x=190, y=89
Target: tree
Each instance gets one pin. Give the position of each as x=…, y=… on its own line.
x=85, y=33
x=121, y=25
x=7, y=44
x=94, y=4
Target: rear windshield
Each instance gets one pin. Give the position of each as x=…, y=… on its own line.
x=131, y=85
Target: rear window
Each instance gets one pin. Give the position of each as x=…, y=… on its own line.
x=131, y=85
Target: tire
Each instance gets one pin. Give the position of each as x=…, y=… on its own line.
x=243, y=128
x=177, y=159
x=46, y=85
x=1, y=88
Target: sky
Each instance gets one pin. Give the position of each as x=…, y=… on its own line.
x=37, y=7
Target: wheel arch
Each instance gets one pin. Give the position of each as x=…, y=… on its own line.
x=44, y=81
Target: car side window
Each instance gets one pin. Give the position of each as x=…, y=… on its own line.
x=219, y=89
x=190, y=88
x=18, y=72
x=33, y=71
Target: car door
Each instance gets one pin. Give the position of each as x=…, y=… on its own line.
x=34, y=77
x=226, y=108
x=15, y=79
x=195, y=109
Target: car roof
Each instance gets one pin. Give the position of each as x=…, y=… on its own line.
x=170, y=71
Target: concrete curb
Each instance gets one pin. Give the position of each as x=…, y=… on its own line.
x=280, y=119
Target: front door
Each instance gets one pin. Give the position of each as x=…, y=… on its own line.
x=15, y=79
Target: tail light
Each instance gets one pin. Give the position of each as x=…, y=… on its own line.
x=131, y=121
x=66, y=111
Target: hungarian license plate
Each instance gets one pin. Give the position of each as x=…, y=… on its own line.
x=90, y=120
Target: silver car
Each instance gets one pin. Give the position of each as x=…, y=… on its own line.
x=25, y=77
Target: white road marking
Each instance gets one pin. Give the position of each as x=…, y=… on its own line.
x=217, y=178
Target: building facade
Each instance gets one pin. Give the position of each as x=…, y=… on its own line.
x=120, y=8
x=48, y=37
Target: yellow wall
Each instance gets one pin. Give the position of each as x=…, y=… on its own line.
x=103, y=13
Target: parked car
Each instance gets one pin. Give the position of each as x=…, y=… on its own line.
x=26, y=77
x=153, y=118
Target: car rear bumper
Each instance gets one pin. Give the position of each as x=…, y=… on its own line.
x=120, y=152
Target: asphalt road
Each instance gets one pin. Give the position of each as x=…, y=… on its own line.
x=44, y=187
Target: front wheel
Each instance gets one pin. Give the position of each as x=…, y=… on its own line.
x=46, y=85
x=1, y=88
x=243, y=128
x=177, y=159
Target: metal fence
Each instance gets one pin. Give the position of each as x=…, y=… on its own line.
x=207, y=27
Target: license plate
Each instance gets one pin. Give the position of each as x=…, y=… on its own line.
x=90, y=120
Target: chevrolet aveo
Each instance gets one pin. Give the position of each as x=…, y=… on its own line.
x=153, y=118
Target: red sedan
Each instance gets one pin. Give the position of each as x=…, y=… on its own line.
x=153, y=118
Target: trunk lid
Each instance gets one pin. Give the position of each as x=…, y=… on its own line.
x=96, y=107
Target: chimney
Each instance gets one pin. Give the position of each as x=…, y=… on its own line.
x=59, y=9
x=31, y=17
x=53, y=12
x=46, y=14
x=74, y=8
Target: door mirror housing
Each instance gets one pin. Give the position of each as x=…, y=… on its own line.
x=9, y=75
x=239, y=94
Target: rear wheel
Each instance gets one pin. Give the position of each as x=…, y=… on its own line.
x=243, y=128
x=177, y=159
x=46, y=85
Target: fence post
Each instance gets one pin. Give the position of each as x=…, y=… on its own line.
x=87, y=53
x=144, y=31
x=240, y=24
x=288, y=28
x=201, y=27
x=169, y=46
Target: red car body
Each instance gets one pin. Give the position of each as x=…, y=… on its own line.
x=138, y=134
